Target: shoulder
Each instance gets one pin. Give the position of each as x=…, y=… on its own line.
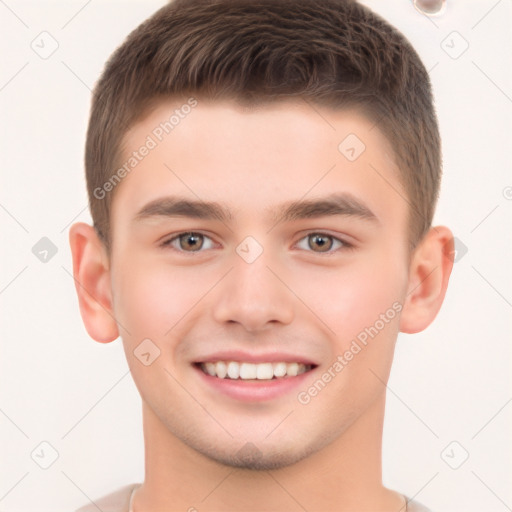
x=414, y=506
x=117, y=501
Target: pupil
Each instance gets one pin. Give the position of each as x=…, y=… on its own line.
x=191, y=240
x=321, y=242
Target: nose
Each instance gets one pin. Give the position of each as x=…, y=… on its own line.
x=253, y=296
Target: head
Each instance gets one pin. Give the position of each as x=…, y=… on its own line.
x=336, y=54
x=311, y=126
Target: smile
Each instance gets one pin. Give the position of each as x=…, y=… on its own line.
x=235, y=370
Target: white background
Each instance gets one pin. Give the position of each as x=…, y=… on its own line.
x=449, y=383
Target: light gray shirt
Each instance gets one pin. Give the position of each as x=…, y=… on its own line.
x=120, y=501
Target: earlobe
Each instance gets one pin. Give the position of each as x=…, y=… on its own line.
x=92, y=282
x=429, y=273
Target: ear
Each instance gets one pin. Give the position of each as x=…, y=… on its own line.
x=429, y=272
x=91, y=273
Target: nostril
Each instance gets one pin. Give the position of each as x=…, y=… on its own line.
x=430, y=7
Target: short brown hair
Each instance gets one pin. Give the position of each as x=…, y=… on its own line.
x=335, y=53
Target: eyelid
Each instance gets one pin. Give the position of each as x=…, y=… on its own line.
x=168, y=241
x=346, y=245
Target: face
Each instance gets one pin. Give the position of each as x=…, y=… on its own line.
x=258, y=242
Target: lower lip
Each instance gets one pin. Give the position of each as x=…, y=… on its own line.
x=254, y=391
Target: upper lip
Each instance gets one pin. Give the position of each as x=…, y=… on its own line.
x=246, y=357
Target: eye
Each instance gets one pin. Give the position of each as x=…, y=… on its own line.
x=322, y=243
x=189, y=242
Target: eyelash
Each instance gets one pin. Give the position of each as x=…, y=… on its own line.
x=345, y=246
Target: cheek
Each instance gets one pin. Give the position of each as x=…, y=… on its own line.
x=352, y=298
x=151, y=299
x=361, y=304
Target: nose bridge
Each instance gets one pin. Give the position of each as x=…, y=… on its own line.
x=251, y=294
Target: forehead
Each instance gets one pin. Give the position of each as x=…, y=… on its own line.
x=255, y=157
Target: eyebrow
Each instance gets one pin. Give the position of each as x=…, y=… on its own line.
x=343, y=204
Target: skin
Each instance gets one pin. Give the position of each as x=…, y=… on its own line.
x=294, y=298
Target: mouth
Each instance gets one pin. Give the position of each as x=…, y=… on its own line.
x=245, y=371
x=246, y=381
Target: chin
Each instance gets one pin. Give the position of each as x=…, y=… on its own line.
x=251, y=458
x=254, y=456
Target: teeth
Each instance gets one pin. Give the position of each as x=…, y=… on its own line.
x=210, y=369
x=250, y=371
x=233, y=370
x=221, y=369
x=279, y=369
x=292, y=369
x=264, y=371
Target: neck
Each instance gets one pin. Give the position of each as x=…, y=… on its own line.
x=344, y=475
